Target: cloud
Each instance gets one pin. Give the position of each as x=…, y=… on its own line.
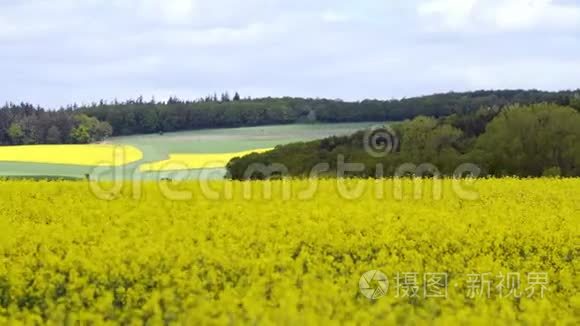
x=170, y=11
x=500, y=15
x=220, y=36
x=547, y=74
x=454, y=13
x=334, y=17
x=522, y=14
x=58, y=51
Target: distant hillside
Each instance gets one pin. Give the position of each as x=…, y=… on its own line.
x=27, y=124
x=536, y=140
x=134, y=117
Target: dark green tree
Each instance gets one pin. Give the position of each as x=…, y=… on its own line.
x=528, y=140
x=81, y=135
x=53, y=135
x=16, y=134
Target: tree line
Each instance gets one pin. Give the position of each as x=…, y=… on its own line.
x=517, y=140
x=139, y=116
x=27, y=124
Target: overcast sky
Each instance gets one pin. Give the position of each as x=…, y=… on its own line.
x=56, y=52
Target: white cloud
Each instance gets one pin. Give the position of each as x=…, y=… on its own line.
x=521, y=14
x=454, y=13
x=171, y=11
x=334, y=17
x=542, y=73
x=500, y=15
x=58, y=50
x=206, y=37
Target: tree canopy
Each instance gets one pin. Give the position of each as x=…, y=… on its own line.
x=534, y=140
x=27, y=124
x=137, y=117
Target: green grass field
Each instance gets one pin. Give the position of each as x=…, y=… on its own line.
x=157, y=147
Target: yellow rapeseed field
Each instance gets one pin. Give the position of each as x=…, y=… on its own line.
x=88, y=155
x=499, y=252
x=178, y=162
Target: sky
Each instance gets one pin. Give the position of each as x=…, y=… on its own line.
x=59, y=52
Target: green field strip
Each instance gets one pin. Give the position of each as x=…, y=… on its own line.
x=155, y=147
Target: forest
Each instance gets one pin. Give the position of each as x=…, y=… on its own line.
x=518, y=140
x=28, y=124
x=25, y=124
